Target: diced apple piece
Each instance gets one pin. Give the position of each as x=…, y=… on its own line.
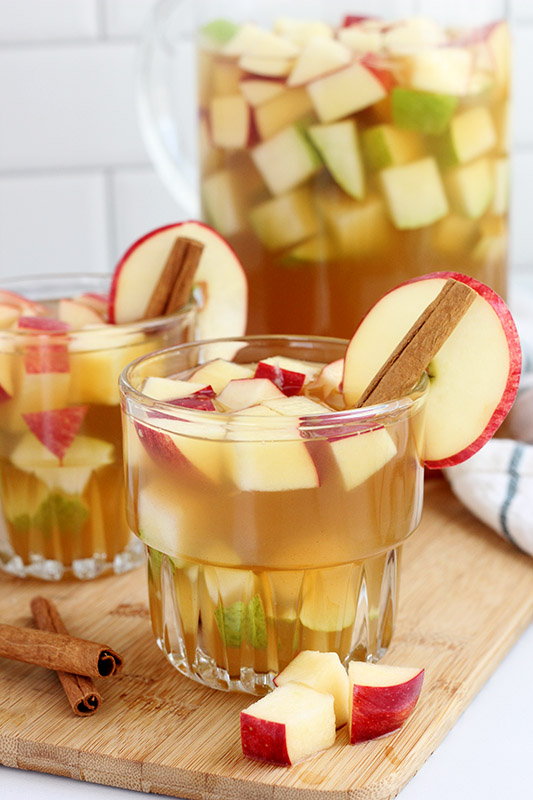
x=300, y=31
x=425, y=112
x=322, y=672
x=285, y=220
x=71, y=475
x=473, y=377
x=26, y=307
x=257, y=91
x=266, y=66
x=358, y=229
x=29, y=391
x=338, y=144
x=471, y=134
x=295, y=406
x=56, y=428
x=501, y=176
x=47, y=351
x=230, y=122
x=470, y=187
x=328, y=383
x=211, y=158
x=218, y=373
x=309, y=368
x=360, y=456
x=159, y=518
x=8, y=315
x=360, y=39
x=288, y=725
x=387, y=146
x=271, y=466
x=244, y=392
x=281, y=111
x=502, y=121
x=344, y=92
x=319, y=57
x=286, y=160
x=317, y=250
x=441, y=70
x=166, y=389
x=250, y=39
x=499, y=44
x=77, y=315
x=224, y=207
x=381, y=698
x=406, y=34
x=329, y=599
x=225, y=78
x=288, y=381
x=414, y=193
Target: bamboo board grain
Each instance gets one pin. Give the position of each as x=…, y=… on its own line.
x=466, y=596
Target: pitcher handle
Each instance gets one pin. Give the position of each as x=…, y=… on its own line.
x=166, y=73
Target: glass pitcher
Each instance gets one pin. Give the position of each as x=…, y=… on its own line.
x=340, y=147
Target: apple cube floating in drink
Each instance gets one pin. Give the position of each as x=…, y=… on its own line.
x=364, y=140
x=60, y=434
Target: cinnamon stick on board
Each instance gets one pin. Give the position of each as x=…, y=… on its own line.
x=175, y=282
x=81, y=692
x=421, y=343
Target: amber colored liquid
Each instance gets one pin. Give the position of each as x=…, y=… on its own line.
x=329, y=294
x=246, y=579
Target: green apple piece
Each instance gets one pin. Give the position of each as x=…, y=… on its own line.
x=68, y=515
x=358, y=228
x=338, y=145
x=470, y=134
x=286, y=220
x=83, y=457
x=442, y=70
x=219, y=31
x=425, y=112
x=387, y=146
x=319, y=57
x=470, y=187
x=286, y=160
x=414, y=194
x=501, y=175
x=344, y=92
x=282, y=110
x=358, y=457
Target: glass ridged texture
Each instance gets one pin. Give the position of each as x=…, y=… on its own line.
x=65, y=516
x=240, y=579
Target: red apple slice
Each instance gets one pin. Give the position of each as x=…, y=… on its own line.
x=473, y=378
x=77, y=314
x=289, y=381
x=220, y=278
x=381, y=698
x=8, y=315
x=323, y=672
x=27, y=307
x=45, y=353
x=288, y=725
x=56, y=428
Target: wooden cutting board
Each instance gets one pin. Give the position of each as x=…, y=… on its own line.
x=466, y=596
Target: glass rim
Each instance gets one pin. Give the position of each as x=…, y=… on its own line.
x=100, y=331
x=162, y=411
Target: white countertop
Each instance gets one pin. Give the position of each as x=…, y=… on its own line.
x=487, y=755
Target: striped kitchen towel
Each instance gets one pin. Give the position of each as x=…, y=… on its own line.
x=496, y=484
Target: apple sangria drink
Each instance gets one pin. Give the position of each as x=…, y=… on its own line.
x=273, y=517
x=61, y=474
x=341, y=161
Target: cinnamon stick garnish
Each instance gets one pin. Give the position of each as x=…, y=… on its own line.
x=174, y=286
x=52, y=647
x=419, y=346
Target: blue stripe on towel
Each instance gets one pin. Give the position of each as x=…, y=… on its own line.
x=512, y=487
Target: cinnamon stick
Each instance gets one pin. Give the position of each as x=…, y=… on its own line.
x=175, y=282
x=419, y=346
x=80, y=690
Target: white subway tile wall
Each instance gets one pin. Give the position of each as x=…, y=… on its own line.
x=76, y=184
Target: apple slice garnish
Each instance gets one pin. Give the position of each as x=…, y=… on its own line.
x=288, y=725
x=323, y=672
x=220, y=279
x=473, y=377
x=24, y=306
x=78, y=314
x=381, y=698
